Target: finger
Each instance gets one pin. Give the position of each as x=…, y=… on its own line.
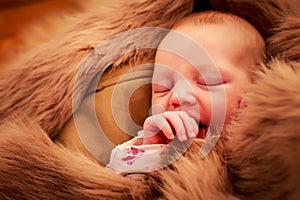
x=159, y=138
x=151, y=126
x=167, y=130
x=190, y=125
x=176, y=123
x=195, y=127
x=155, y=124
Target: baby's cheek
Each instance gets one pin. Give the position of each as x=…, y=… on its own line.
x=233, y=105
x=156, y=109
x=158, y=105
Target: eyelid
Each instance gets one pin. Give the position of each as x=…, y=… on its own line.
x=211, y=81
x=163, y=86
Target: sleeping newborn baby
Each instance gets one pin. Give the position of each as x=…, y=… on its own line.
x=182, y=92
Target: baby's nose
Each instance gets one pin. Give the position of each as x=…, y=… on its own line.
x=182, y=94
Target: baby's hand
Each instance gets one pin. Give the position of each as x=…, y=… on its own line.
x=163, y=127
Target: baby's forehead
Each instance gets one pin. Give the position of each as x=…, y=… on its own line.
x=186, y=56
x=171, y=64
x=180, y=45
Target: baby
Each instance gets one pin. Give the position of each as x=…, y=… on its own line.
x=188, y=89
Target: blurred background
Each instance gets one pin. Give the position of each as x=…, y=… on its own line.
x=16, y=15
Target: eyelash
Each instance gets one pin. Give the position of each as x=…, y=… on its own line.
x=207, y=84
x=161, y=89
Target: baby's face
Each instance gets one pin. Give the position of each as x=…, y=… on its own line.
x=178, y=85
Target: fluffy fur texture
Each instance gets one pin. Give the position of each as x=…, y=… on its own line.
x=57, y=62
x=263, y=149
x=33, y=167
x=268, y=13
x=257, y=159
x=279, y=45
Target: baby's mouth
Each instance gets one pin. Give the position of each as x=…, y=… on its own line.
x=202, y=130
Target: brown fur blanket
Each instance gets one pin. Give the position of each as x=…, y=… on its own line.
x=256, y=159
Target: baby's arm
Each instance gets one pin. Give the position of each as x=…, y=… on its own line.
x=164, y=127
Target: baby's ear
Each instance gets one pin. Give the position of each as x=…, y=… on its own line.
x=242, y=103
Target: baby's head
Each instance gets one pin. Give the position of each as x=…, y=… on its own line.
x=234, y=46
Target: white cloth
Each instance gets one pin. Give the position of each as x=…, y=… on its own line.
x=128, y=157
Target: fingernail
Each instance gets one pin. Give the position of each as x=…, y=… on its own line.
x=172, y=137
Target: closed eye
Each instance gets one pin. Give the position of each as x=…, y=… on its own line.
x=158, y=88
x=210, y=82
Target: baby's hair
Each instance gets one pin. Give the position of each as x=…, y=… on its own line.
x=210, y=17
x=256, y=44
x=216, y=17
